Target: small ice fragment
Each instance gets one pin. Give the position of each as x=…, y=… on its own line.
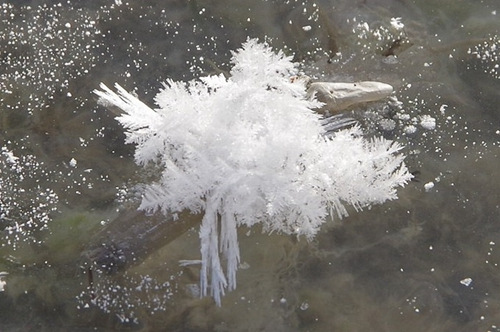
x=428, y=122
x=307, y=28
x=72, y=162
x=69, y=94
x=68, y=25
x=282, y=300
x=428, y=186
x=2, y=282
x=244, y=266
x=304, y=306
x=466, y=282
x=411, y=129
x=387, y=124
x=396, y=23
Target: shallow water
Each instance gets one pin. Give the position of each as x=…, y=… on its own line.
x=402, y=265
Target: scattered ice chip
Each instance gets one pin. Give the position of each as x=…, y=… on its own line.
x=2, y=282
x=244, y=266
x=428, y=186
x=411, y=129
x=68, y=25
x=396, y=23
x=72, y=162
x=304, y=306
x=307, y=28
x=387, y=124
x=428, y=122
x=466, y=282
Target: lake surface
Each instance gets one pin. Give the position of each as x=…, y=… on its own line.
x=425, y=262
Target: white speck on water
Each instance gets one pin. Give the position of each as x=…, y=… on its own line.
x=428, y=186
x=73, y=162
x=307, y=28
x=304, y=306
x=466, y=282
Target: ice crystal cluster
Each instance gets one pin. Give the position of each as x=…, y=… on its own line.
x=25, y=203
x=377, y=39
x=141, y=292
x=488, y=53
x=42, y=51
x=249, y=150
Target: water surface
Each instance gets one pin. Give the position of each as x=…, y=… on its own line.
x=428, y=261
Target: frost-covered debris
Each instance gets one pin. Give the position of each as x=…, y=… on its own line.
x=338, y=96
x=25, y=203
x=248, y=150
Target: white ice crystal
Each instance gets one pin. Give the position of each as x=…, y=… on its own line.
x=248, y=150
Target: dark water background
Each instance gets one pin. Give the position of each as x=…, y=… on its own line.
x=400, y=266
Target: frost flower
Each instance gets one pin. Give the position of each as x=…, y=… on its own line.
x=248, y=150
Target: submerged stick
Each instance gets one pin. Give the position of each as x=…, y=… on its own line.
x=132, y=237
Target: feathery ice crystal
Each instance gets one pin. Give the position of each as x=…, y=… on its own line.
x=248, y=150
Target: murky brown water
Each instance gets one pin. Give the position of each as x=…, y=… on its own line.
x=400, y=266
